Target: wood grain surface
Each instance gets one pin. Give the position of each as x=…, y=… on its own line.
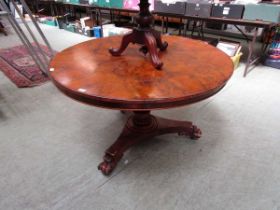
x=192, y=71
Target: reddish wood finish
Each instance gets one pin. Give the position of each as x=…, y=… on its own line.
x=193, y=71
x=142, y=126
x=144, y=35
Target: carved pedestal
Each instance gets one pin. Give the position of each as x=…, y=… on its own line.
x=143, y=126
x=144, y=35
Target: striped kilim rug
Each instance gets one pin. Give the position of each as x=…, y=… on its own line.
x=17, y=64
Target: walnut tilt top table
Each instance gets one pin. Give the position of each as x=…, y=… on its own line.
x=192, y=71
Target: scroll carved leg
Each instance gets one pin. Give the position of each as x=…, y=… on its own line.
x=143, y=126
x=144, y=35
x=161, y=45
x=151, y=44
x=128, y=38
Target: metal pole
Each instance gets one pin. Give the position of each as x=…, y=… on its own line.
x=249, y=59
x=21, y=35
x=27, y=45
x=37, y=26
x=45, y=59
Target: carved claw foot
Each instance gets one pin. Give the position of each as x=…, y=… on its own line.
x=114, y=52
x=106, y=168
x=163, y=46
x=196, y=133
x=158, y=65
x=108, y=165
x=128, y=38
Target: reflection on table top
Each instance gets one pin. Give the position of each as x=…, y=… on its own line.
x=192, y=71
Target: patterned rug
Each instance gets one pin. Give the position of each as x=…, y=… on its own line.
x=17, y=64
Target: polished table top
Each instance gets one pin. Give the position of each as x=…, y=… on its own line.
x=192, y=71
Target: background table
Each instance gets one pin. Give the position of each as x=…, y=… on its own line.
x=253, y=55
x=192, y=71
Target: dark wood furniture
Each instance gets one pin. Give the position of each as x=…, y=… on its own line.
x=144, y=35
x=192, y=71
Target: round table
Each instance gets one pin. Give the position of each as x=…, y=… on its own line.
x=192, y=71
